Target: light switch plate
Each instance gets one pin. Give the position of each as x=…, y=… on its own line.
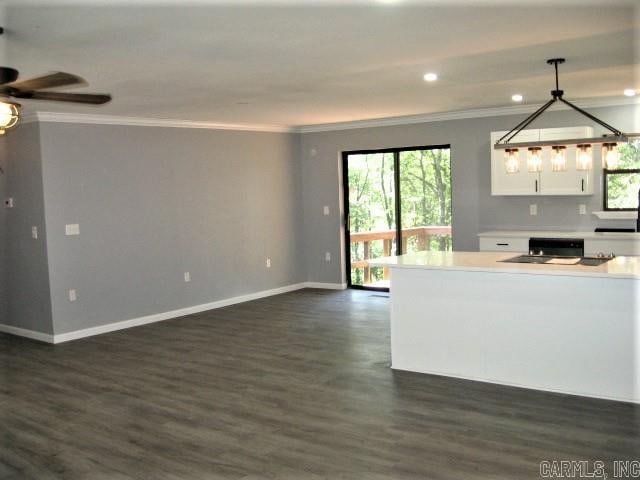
x=187, y=277
x=582, y=209
x=8, y=202
x=268, y=263
x=72, y=295
x=325, y=210
x=327, y=256
x=34, y=232
x=533, y=209
x=72, y=229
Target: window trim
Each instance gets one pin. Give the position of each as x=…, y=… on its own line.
x=605, y=192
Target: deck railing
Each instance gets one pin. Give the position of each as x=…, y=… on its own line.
x=422, y=234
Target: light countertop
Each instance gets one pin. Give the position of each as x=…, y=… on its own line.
x=561, y=234
x=619, y=267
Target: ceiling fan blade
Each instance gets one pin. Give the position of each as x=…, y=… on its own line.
x=91, y=98
x=55, y=79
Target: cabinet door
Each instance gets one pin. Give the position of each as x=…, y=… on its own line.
x=569, y=182
x=521, y=183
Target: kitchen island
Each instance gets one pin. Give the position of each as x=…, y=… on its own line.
x=565, y=328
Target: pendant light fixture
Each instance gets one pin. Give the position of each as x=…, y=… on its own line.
x=534, y=159
x=558, y=158
x=584, y=145
x=584, y=157
x=610, y=155
x=511, y=160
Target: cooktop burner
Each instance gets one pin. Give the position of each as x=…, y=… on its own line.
x=558, y=260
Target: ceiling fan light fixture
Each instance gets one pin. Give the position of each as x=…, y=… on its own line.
x=9, y=115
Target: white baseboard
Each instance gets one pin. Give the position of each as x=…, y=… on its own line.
x=158, y=317
x=328, y=286
x=23, y=332
x=181, y=312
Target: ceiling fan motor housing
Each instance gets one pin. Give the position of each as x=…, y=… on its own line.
x=8, y=75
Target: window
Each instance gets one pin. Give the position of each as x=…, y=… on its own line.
x=621, y=185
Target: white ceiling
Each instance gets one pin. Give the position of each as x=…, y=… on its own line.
x=307, y=63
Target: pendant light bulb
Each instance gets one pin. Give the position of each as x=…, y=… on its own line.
x=558, y=159
x=610, y=155
x=534, y=159
x=584, y=157
x=511, y=160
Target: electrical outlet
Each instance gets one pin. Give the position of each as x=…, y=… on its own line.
x=327, y=256
x=582, y=209
x=187, y=277
x=72, y=295
x=72, y=229
x=268, y=263
x=533, y=209
x=34, y=232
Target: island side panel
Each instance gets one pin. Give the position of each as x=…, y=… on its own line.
x=577, y=335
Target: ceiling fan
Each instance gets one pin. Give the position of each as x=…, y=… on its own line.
x=37, y=89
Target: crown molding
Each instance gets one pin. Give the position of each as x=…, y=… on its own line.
x=459, y=115
x=92, y=119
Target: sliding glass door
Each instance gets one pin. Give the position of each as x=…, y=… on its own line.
x=395, y=201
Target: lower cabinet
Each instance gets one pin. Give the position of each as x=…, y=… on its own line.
x=607, y=246
x=502, y=244
x=592, y=246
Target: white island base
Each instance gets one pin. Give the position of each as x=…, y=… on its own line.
x=570, y=330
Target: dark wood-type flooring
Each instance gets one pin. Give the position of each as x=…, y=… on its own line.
x=296, y=386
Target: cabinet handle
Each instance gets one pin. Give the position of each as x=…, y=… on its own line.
x=502, y=244
x=536, y=185
x=582, y=184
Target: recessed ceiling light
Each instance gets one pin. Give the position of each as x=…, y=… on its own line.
x=629, y=92
x=430, y=77
x=517, y=97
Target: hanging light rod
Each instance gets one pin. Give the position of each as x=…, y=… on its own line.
x=557, y=96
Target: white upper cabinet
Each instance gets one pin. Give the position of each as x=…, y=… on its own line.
x=547, y=182
x=520, y=183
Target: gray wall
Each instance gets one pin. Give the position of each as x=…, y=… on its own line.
x=3, y=233
x=153, y=203
x=474, y=209
x=25, y=275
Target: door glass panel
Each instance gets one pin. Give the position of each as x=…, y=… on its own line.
x=425, y=199
x=372, y=219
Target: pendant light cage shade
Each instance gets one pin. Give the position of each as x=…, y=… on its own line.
x=610, y=155
x=534, y=159
x=511, y=160
x=9, y=116
x=584, y=157
x=558, y=158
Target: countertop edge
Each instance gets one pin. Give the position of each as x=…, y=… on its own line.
x=521, y=271
x=560, y=234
